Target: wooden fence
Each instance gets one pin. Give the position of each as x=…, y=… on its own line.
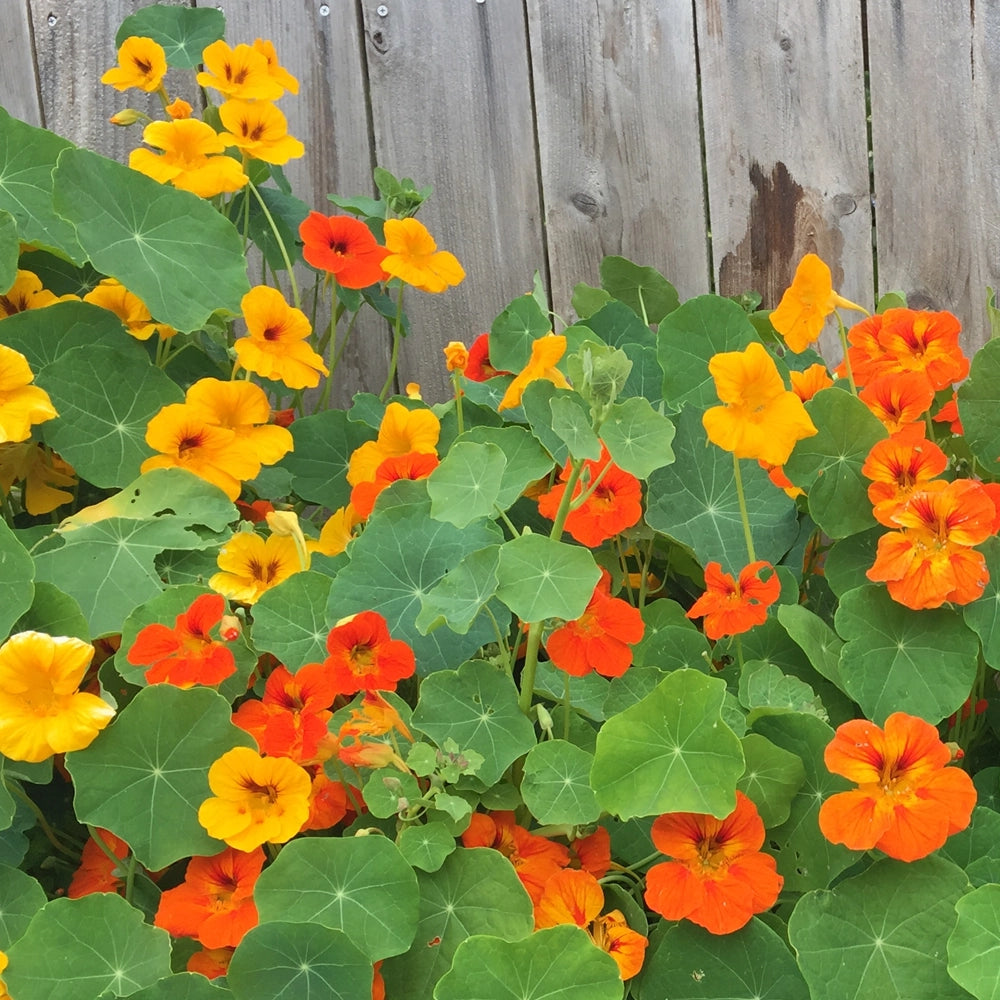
x=717, y=140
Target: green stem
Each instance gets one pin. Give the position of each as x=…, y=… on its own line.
x=842, y=332
x=348, y=787
x=50, y=835
x=644, y=562
x=576, y=467
x=396, y=337
x=511, y=527
x=743, y=508
x=330, y=337
x=456, y=381
x=530, y=667
x=566, y=708
x=281, y=243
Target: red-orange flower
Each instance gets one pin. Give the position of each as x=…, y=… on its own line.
x=413, y=465
x=719, y=877
x=327, y=803
x=593, y=852
x=898, y=398
x=730, y=606
x=614, y=504
x=345, y=247
x=930, y=560
x=907, y=802
x=601, y=638
x=97, y=871
x=535, y=859
x=898, y=465
x=364, y=657
x=375, y=717
x=214, y=903
x=479, y=367
x=210, y=962
x=186, y=654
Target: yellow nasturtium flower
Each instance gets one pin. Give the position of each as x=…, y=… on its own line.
x=26, y=293
x=259, y=130
x=545, y=352
x=41, y=471
x=401, y=432
x=112, y=295
x=250, y=565
x=243, y=72
x=415, y=259
x=142, y=63
x=21, y=403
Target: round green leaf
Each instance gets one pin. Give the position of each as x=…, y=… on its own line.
x=8, y=251
x=290, y=620
x=184, y=32
x=359, y=885
x=556, y=786
x=183, y=986
x=514, y=331
x=638, y=438
x=282, y=960
x=974, y=945
x=466, y=483
x=983, y=615
x=476, y=706
x=559, y=963
x=540, y=577
x=458, y=598
x=695, y=502
x=21, y=897
x=525, y=458
x=476, y=891
x=426, y=845
x=54, y=613
x=16, y=581
x=978, y=402
x=671, y=640
x=81, y=949
x=880, y=934
x=899, y=660
x=146, y=775
x=689, y=963
x=642, y=289
x=772, y=778
x=764, y=688
x=669, y=753
x=572, y=423
x=977, y=848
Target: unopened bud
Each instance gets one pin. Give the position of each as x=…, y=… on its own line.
x=413, y=390
x=127, y=116
x=230, y=628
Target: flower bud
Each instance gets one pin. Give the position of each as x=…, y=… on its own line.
x=230, y=628
x=127, y=116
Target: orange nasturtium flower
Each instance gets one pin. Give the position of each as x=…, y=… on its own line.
x=274, y=68
x=249, y=565
x=719, y=877
x=575, y=897
x=26, y=293
x=209, y=962
x=898, y=465
x=759, y=417
x=364, y=657
x=276, y=347
x=925, y=342
x=142, y=63
x=97, y=872
x=600, y=639
x=545, y=352
x=375, y=717
x=898, y=399
x=186, y=654
x=256, y=799
x=21, y=403
x=42, y=710
x=415, y=259
x=730, y=606
x=343, y=246
x=478, y=367
x=112, y=295
x=192, y=159
x=179, y=108
x=214, y=903
x=930, y=559
x=908, y=802
x=243, y=72
x=806, y=384
x=456, y=356
x=401, y=431
x=614, y=505
x=259, y=130
x=42, y=471
x=807, y=302
x=413, y=465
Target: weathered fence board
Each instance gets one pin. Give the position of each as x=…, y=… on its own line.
x=18, y=80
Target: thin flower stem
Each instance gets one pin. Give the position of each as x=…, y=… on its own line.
x=396, y=336
x=130, y=878
x=456, y=381
x=647, y=558
x=348, y=787
x=623, y=562
x=743, y=508
x=50, y=835
x=511, y=527
x=739, y=650
x=281, y=243
x=576, y=467
x=530, y=667
x=566, y=708
x=842, y=332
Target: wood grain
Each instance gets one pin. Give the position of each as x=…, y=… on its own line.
x=18, y=80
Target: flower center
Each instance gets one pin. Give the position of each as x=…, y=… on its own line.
x=362, y=658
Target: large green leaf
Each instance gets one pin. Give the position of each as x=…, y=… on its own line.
x=671, y=639
x=82, y=949
x=983, y=615
x=281, y=960
x=880, y=934
x=669, y=753
x=689, y=963
x=183, y=986
x=184, y=32
x=27, y=158
x=559, y=963
x=974, y=945
x=815, y=638
x=899, y=660
x=526, y=459
x=17, y=588
x=638, y=438
x=54, y=613
x=101, y=430
x=476, y=706
x=976, y=849
x=476, y=891
x=514, y=331
x=359, y=885
x=556, y=786
x=9, y=248
x=695, y=502
x=171, y=248
x=828, y=464
x=466, y=484
x=289, y=620
x=978, y=403
x=21, y=897
x=642, y=289
x=460, y=596
x=772, y=778
x=146, y=775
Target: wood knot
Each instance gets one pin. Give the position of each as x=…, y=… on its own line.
x=379, y=42
x=586, y=204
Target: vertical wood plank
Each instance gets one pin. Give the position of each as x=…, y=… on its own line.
x=18, y=82
x=617, y=104
x=451, y=106
x=786, y=145
x=923, y=123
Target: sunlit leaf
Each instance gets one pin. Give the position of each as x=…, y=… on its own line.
x=466, y=483
x=638, y=438
x=556, y=785
x=290, y=620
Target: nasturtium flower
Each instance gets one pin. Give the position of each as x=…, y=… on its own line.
x=112, y=295
x=733, y=606
x=21, y=403
x=256, y=800
x=27, y=292
x=276, y=347
x=593, y=852
x=898, y=465
x=209, y=962
x=179, y=108
x=930, y=559
x=42, y=472
x=98, y=872
x=925, y=342
x=336, y=533
x=328, y=803
x=456, y=356
x=612, y=506
x=413, y=465
x=364, y=657
x=898, y=398
x=259, y=130
x=908, y=802
x=186, y=654
x=214, y=904
x=806, y=384
x=718, y=878
x=600, y=639
x=948, y=414
x=759, y=418
x=242, y=72
x=42, y=710
x=401, y=431
x=142, y=63
x=375, y=717
x=415, y=259
x=274, y=68
x=343, y=246
x=806, y=304
x=478, y=367
x=192, y=159
x=249, y=565
x=545, y=352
